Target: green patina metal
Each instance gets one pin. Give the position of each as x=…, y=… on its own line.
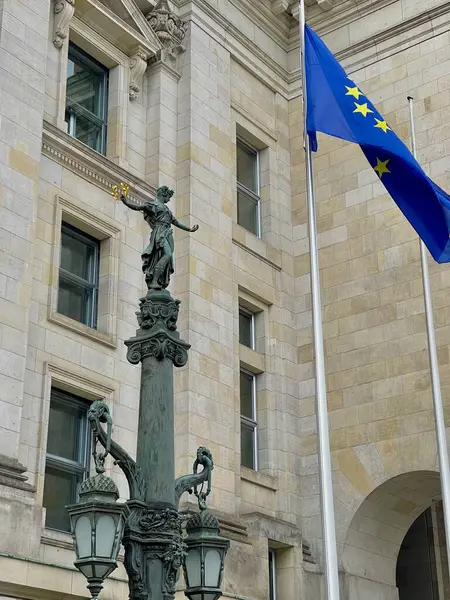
x=154, y=547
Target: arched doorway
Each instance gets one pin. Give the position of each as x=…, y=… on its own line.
x=421, y=572
x=390, y=524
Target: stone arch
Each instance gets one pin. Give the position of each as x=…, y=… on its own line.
x=377, y=529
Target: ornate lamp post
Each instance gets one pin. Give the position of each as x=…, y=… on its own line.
x=149, y=525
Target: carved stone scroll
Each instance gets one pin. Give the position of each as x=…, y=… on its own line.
x=63, y=11
x=138, y=64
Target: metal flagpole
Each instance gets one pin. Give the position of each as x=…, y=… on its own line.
x=444, y=467
x=325, y=470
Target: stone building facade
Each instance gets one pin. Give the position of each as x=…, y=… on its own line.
x=204, y=96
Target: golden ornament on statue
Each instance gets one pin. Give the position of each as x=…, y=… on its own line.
x=122, y=192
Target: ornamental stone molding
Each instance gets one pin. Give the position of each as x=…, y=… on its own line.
x=138, y=65
x=169, y=29
x=63, y=12
x=280, y=6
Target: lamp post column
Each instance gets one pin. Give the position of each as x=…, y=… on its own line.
x=154, y=549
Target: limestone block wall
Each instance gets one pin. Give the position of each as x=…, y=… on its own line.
x=379, y=395
x=23, y=43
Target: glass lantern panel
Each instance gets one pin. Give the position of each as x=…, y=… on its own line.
x=105, y=534
x=102, y=571
x=87, y=570
x=193, y=568
x=83, y=537
x=212, y=568
x=196, y=597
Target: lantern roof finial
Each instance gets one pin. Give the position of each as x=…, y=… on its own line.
x=100, y=487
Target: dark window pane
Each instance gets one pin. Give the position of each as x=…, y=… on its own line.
x=245, y=329
x=246, y=392
x=75, y=301
x=272, y=575
x=247, y=213
x=77, y=257
x=84, y=129
x=78, y=276
x=86, y=99
x=60, y=489
x=247, y=447
x=65, y=430
x=85, y=86
x=247, y=168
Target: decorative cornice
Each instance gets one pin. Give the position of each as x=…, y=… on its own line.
x=326, y=19
x=62, y=13
x=234, y=37
x=280, y=6
x=92, y=166
x=12, y=474
x=401, y=36
x=111, y=27
x=260, y=15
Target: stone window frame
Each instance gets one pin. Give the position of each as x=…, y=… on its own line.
x=67, y=380
x=252, y=361
x=118, y=64
x=266, y=144
x=253, y=196
x=109, y=235
x=251, y=423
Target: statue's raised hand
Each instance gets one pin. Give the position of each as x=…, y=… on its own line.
x=194, y=228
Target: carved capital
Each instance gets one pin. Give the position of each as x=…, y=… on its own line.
x=138, y=65
x=169, y=29
x=63, y=11
x=159, y=344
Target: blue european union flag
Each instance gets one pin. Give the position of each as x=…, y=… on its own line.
x=336, y=106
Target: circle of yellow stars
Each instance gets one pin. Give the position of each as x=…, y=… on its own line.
x=363, y=109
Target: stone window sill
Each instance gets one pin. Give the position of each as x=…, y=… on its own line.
x=60, y=539
x=260, y=479
x=93, y=334
x=256, y=246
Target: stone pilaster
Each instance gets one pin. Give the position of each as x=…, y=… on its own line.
x=22, y=108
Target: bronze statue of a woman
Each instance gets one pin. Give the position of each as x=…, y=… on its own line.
x=157, y=258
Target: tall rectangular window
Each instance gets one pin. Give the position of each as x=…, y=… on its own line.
x=246, y=328
x=248, y=187
x=272, y=574
x=86, y=100
x=78, y=276
x=249, y=447
x=67, y=461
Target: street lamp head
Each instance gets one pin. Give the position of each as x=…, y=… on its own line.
x=206, y=551
x=97, y=523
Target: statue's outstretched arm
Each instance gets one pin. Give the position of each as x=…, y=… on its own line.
x=184, y=227
x=132, y=205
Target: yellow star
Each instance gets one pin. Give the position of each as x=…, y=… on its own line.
x=363, y=109
x=353, y=91
x=381, y=167
x=382, y=125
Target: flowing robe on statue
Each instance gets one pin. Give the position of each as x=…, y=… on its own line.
x=160, y=219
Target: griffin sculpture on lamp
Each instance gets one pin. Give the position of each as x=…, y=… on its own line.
x=152, y=531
